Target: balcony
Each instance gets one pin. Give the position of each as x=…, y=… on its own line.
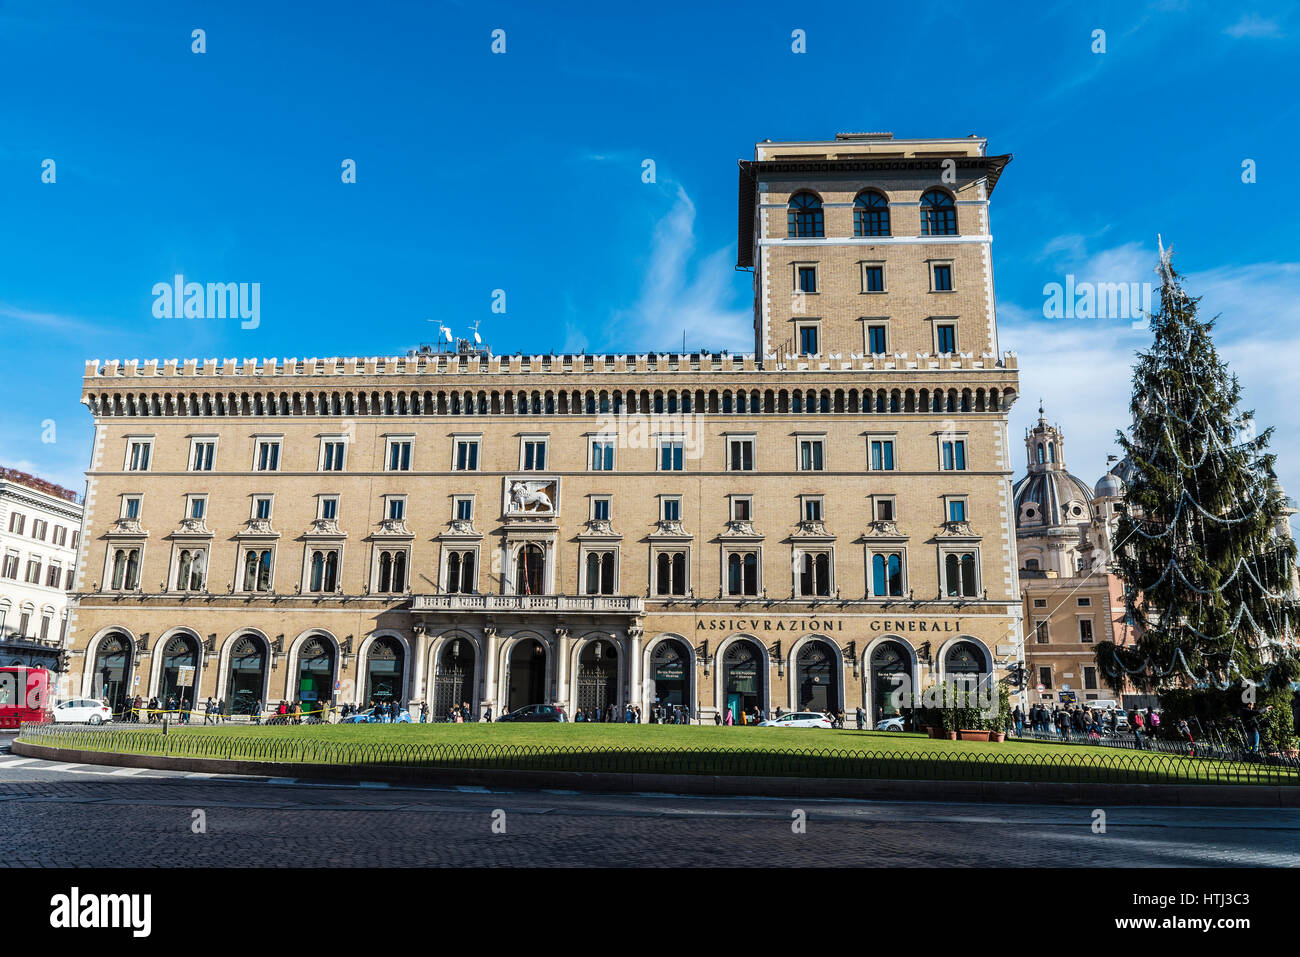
x=542, y=604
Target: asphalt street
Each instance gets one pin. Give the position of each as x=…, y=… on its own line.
x=60, y=815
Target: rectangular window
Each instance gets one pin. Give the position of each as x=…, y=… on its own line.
x=466, y=455
x=268, y=456
x=945, y=338
x=53, y=574
x=33, y=576
x=741, y=508
x=202, y=452
x=198, y=506
x=812, y=455
x=740, y=455
x=1045, y=677
x=399, y=455
x=884, y=509
x=942, y=277
x=671, y=509
x=742, y=573
x=464, y=509
x=131, y=506
x=331, y=455
x=600, y=509
x=877, y=339
x=882, y=455
x=812, y=510
x=1083, y=602
x=1089, y=677
x=262, y=507
x=534, y=455
x=67, y=585
x=959, y=575
x=39, y=529
x=806, y=278
x=602, y=455
x=808, y=341
x=1085, y=630
x=60, y=535
x=670, y=573
x=957, y=510
x=887, y=574
x=329, y=507
x=11, y=566
x=670, y=455
x=137, y=455
x=954, y=455
x=1041, y=634
x=397, y=509
x=873, y=277
x=17, y=520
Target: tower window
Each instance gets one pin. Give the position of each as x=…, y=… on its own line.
x=804, y=219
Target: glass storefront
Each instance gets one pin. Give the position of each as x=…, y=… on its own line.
x=815, y=669
x=179, y=666
x=247, y=676
x=384, y=672
x=742, y=666
x=669, y=672
x=890, y=680
x=315, y=672
x=112, y=676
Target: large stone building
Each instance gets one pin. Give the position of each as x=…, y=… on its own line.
x=39, y=527
x=803, y=527
x=1072, y=598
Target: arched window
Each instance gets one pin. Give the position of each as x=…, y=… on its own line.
x=870, y=214
x=1051, y=451
x=392, y=571
x=460, y=573
x=1040, y=454
x=938, y=214
x=804, y=218
x=670, y=577
x=530, y=567
x=887, y=575
x=742, y=573
x=600, y=573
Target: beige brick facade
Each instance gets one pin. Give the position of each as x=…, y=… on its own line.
x=723, y=551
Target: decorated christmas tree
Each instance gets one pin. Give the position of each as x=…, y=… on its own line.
x=1203, y=544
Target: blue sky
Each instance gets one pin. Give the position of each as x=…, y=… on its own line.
x=522, y=172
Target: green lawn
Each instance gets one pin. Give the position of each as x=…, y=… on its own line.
x=650, y=749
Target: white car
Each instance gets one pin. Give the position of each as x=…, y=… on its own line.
x=891, y=724
x=798, y=719
x=83, y=711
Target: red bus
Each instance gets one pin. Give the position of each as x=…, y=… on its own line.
x=24, y=696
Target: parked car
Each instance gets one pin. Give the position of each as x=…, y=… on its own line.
x=370, y=716
x=83, y=711
x=891, y=724
x=536, y=712
x=799, y=719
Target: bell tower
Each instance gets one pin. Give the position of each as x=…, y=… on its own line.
x=1045, y=445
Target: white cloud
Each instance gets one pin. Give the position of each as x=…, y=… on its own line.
x=1083, y=368
x=1253, y=26
x=683, y=292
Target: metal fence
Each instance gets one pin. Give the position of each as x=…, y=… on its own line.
x=1026, y=765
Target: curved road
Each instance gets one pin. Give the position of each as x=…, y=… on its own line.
x=83, y=816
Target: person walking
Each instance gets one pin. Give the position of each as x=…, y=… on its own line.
x=1018, y=717
x=1139, y=728
x=207, y=710
x=862, y=718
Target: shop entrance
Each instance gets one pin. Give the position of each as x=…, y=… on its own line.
x=384, y=663
x=597, y=676
x=670, y=672
x=891, y=683
x=817, y=688
x=112, y=676
x=315, y=673
x=247, y=679
x=453, y=685
x=742, y=666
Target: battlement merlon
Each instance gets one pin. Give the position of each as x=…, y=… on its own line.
x=440, y=364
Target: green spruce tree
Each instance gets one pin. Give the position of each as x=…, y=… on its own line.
x=1201, y=549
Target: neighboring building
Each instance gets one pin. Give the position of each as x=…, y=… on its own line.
x=1072, y=598
x=40, y=523
x=800, y=528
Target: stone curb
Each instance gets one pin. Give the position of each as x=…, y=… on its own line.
x=1002, y=792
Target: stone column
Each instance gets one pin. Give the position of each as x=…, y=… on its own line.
x=489, y=696
x=562, y=642
x=634, y=636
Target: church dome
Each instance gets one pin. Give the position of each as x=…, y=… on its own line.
x=1051, y=497
x=1109, y=485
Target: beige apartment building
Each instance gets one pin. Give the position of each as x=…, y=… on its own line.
x=810, y=526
